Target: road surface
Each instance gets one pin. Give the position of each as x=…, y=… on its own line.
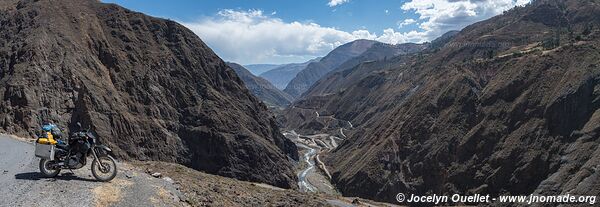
x=23, y=185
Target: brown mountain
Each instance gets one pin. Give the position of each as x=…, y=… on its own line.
x=299, y=117
x=149, y=87
x=334, y=81
x=314, y=71
x=510, y=105
x=261, y=88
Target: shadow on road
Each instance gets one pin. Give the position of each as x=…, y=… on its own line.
x=40, y=176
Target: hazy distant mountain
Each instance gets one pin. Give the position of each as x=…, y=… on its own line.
x=261, y=88
x=508, y=106
x=257, y=69
x=314, y=71
x=282, y=75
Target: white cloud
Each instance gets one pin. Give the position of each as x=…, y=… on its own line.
x=253, y=37
x=440, y=16
x=333, y=3
x=406, y=22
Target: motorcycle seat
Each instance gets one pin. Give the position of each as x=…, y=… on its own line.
x=62, y=145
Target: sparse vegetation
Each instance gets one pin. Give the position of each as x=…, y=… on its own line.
x=551, y=42
x=517, y=54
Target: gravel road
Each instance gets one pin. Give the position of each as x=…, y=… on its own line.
x=23, y=185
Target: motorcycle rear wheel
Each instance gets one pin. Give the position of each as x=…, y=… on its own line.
x=107, y=170
x=46, y=170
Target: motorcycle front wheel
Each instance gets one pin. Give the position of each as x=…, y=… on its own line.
x=105, y=168
x=46, y=170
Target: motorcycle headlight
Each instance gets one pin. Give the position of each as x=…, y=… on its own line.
x=90, y=134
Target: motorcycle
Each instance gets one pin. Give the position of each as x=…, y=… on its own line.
x=56, y=155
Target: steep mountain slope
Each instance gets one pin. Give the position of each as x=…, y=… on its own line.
x=258, y=69
x=381, y=51
x=201, y=189
x=379, y=57
x=149, y=87
x=442, y=40
x=314, y=71
x=510, y=105
x=261, y=88
x=282, y=75
x=335, y=80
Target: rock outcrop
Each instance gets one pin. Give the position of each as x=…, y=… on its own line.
x=149, y=87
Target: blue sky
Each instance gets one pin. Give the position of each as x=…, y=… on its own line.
x=350, y=16
x=283, y=31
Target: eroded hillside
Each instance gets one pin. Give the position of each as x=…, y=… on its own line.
x=509, y=106
x=150, y=88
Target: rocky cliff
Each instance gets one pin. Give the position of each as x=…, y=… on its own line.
x=510, y=105
x=261, y=88
x=149, y=87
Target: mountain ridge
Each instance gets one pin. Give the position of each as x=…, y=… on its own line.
x=261, y=88
x=258, y=69
x=509, y=105
x=314, y=71
x=149, y=87
x=282, y=75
